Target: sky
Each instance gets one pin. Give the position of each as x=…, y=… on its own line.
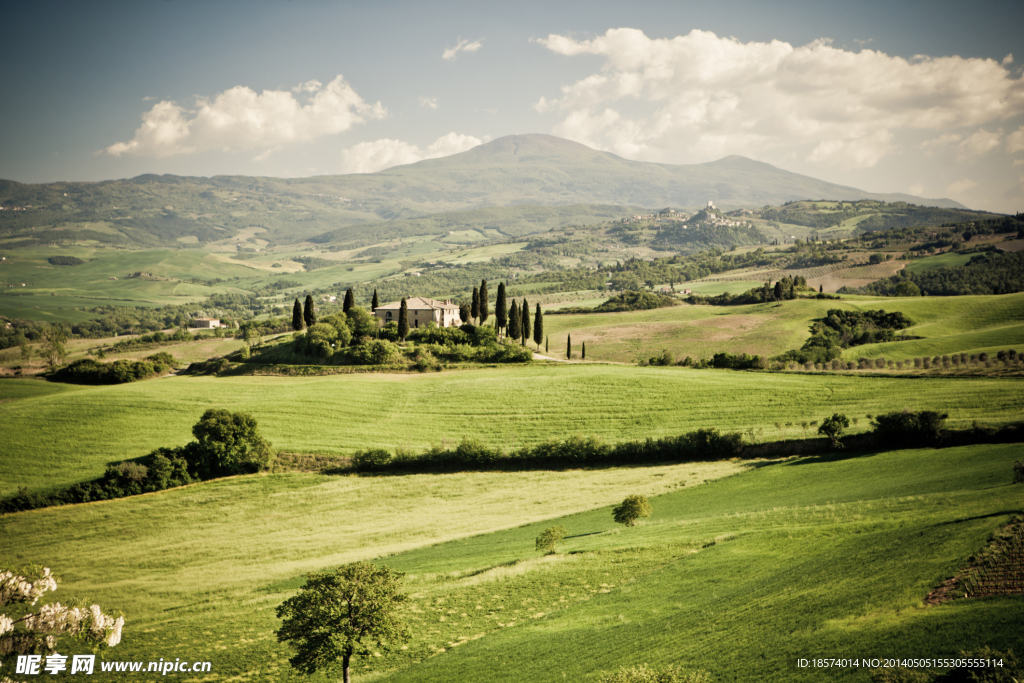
x=923, y=97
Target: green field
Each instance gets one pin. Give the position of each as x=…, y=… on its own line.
x=68, y=437
x=950, y=259
x=740, y=576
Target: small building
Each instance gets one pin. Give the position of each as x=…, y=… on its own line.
x=687, y=291
x=205, y=323
x=422, y=311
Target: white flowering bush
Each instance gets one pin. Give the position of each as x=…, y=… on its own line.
x=25, y=629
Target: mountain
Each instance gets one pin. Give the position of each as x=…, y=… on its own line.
x=535, y=170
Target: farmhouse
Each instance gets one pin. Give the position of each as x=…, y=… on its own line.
x=206, y=323
x=422, y=311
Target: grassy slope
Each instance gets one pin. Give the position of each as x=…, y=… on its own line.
x=70, y=437
x=816, y=557
x=968, y=324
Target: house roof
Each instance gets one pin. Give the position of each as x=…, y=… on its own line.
x=419, y=303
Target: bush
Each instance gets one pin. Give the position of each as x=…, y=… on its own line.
x=377, y=352
x=909, y=428
x=548, y=538
x=228, y=443
x=371, y=459
x=645, y=674
x=632, y=508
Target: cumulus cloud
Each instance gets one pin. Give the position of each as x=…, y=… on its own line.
x=697, y=96
x=462, y=46
x=1015, y=141
x=980, y=143
x=240, y=119
x=368, y=157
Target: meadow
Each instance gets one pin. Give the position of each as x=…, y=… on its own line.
x=741, y=569
x=70, y=434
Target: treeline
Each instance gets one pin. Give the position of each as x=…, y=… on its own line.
x=841, y=329
x=986, y=273
x=225, y=444
x=785, y=289
x=627, y=301
x=65, y=261
x=90, y=371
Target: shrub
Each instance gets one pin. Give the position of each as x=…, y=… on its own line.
x=371, y=459
x=377, y=352
x=632, y=508
x=228, y=443
x=645, y=674
x=909, y=427
x=548, y=538
x=833, y=427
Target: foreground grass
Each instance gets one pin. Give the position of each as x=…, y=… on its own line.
x=740, y=576
x=71, y=436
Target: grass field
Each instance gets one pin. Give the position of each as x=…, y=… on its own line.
x=740, y=576
x=990, y=323
x=70, y=436
x=949, y=259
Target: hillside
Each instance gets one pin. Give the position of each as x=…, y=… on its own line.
x=153, y=210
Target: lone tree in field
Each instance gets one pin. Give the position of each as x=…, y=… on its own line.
x=632, y=509
x=350, y=300
x=483, y=302
x=501, y=308
x=515, y=326
x=474, y=306
x=298, y=323
x=833, y=428
x=403, y=320
x=338, y=615
x=227, y=443
x=376, y=302
x=583, y=351
x=568, y=346
x=54, y=338
x=309, y=312
x=538, y=328
x=524, y=313
x=549, y=537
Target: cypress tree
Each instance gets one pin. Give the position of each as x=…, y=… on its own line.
x=375, y=303
x=778, y=291
x=583, y=351
x=484, y=305
x=515, y=328
x=524, y=313
x=308, y=314
x=350, y=301
x=298, y=324
x=538, y=327
x=501, y=308
x=474, y=307
x=568, y=346
x=464, y=313
x=403, y=320
x=546, y=340
x=821, y=288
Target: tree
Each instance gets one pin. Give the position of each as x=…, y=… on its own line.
x=350, y=300
x=228, y=443
x=474, y=310
x=26, y=350
x=524, y=313
x=53, y=349
x=538, y=327
x=632, y=508
x=515, y=327
x=549, y=537
x=309, y=312
x=821, y=289
x=483, y=302
x=376, y=302
x=583, y=351
x=464, y=313
x=298, y=323
x=568, y=346
x=25, y=630
x=546, y=340
x=778, y=291
x=833, y=427
x=500, y=308
x=338, y=615
x=403, y=320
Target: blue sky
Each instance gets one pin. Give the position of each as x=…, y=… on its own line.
x=917, y=97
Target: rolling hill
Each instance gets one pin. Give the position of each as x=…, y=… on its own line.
x=518, y=172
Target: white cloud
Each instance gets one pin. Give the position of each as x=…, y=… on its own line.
x=980, y=143
x=961, y=186
x=241, y=119
x=943, y=141
x=428, y=102
x=1015, y=141
x=462, y=46
x=698, y=96
x=368, y=157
